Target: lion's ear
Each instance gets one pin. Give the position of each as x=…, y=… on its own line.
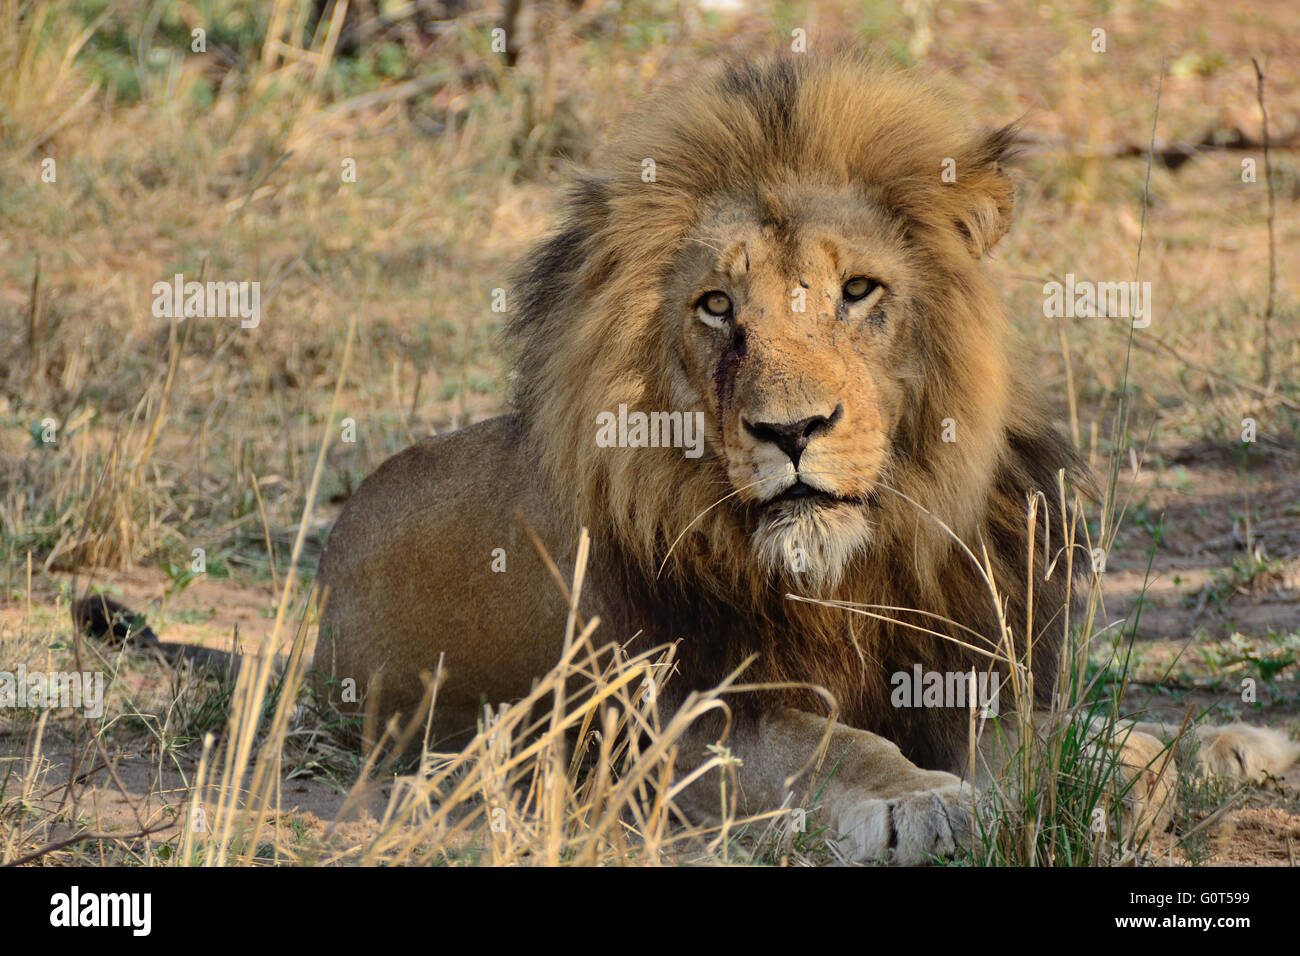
x=988, y=192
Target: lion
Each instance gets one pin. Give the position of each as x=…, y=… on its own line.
x=789, y=259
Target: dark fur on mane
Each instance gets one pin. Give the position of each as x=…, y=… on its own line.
x=801, y=643
x=586, y=302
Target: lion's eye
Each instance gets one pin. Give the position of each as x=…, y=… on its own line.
x=859, y=287
x=715, y=303
x=713, y=308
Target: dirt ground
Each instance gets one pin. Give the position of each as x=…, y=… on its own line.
x=1199, y=633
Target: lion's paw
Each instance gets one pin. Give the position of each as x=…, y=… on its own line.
x=1148, y=774
x=909, y=829
x=1243, y=751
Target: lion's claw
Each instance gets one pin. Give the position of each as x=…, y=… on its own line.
x=911, y=829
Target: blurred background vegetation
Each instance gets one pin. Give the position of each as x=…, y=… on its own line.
x=213, y=138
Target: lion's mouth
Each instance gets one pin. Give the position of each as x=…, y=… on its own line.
x=809, y=495
x=811, y=532
x=801, y=489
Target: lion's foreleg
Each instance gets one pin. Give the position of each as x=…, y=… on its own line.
x=1241, y=751
x=876, y=802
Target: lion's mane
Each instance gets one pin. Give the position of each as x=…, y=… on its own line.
x=590, y=333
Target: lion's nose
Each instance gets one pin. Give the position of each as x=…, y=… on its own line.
x=793, y=437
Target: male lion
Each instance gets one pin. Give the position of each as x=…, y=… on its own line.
x=776, y=251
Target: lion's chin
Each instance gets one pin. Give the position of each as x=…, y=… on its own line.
x=809, y=542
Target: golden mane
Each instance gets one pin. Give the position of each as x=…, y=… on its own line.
x=589, y=334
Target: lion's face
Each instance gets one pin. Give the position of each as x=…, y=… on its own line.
x=805, y=270
x=796, y=337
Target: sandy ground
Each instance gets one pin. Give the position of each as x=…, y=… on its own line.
x=1179, y=631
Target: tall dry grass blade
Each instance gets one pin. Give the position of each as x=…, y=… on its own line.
x=254, y=678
